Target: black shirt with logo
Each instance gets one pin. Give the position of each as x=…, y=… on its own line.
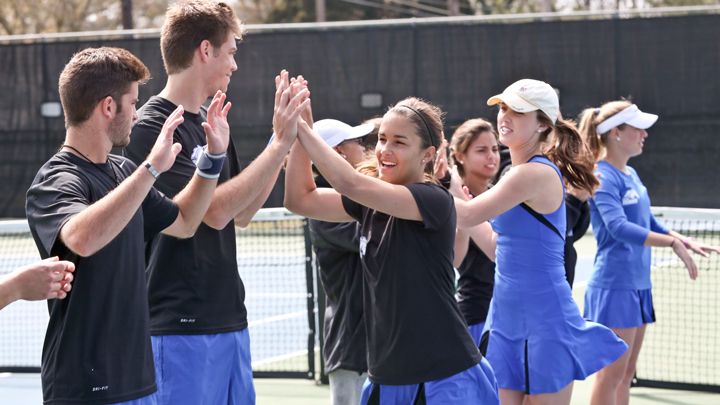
x=336, y=249
x=97, y=346
x=193, y=284
x=415, y=330
x=475, y=286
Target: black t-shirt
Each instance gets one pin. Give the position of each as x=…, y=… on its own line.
x=336, y=249
x=97, y=345
x=193, y=284
x=475, y=286
x=415, y=330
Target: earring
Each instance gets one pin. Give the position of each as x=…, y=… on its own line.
x=461, y=162
x=618, y=139
x=344, y=156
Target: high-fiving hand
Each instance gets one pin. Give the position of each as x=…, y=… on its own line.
x=217, y=130
x=162, y=156
x=291, y=98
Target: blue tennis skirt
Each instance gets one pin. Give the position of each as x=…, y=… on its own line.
x=619, y=308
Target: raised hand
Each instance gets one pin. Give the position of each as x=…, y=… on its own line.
x=290, y=100
x=217, y=130
x=457, y=188
x=162, y=156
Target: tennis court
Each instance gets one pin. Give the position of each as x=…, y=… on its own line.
x=681, y=347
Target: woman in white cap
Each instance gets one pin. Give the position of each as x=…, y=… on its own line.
x=419, y=350
x=537, y=343
x=619, y=292
x=336, y=246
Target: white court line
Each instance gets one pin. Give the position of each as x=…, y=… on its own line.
x=283, y=357
x=277, y=318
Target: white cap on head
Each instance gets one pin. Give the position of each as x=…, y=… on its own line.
x=528, y=95
x=335, y=132
x=631, y=116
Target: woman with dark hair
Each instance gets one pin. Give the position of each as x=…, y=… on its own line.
x=474, y=154
x=538, y=343
x=418, y=346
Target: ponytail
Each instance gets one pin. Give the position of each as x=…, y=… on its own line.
x=571, y=155
x=588, y=132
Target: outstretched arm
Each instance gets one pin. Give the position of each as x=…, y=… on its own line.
x=93, y=228
x=243, y=195
x=46, y=279
x=194, y=200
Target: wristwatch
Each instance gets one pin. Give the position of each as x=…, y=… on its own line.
x=153, y=171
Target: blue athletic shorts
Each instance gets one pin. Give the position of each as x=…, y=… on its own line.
x=475, y=385
x=146, y=400
x=619, y=308
x=204, y=369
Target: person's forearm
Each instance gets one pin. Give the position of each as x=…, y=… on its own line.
x=660, y=239
x=246, y=215
x=298, y=179
x=193, y=202
x=7, y=292
x=98, y=224
x=236, y=196
x=336, y=170
x=462, y=240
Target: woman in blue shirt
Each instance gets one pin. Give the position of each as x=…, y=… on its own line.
x=538, y=343
x=618, y=294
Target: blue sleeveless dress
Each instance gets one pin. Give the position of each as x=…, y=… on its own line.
x=538, y=342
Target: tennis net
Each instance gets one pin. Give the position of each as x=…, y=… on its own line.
x=681, y=349
x=274, y=260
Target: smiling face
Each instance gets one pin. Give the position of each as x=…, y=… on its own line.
x=516, y=128
x=221, y=65
x=399, y=152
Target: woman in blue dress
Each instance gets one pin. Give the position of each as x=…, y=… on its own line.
x=619, y=292
x=538, y=343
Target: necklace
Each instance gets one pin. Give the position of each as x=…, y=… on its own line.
x=114, y=177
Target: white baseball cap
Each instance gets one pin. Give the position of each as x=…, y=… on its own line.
x=631, y=116
x=528, y=95
x=335, y=132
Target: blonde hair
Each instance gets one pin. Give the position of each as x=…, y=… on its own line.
x=590, y=118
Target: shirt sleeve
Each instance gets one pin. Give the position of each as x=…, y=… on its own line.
x=159, y=212
x=435, y=204
x=51, y=203
x=353, y=209
x=336, y=235
x=657, y=226
x=609, y=205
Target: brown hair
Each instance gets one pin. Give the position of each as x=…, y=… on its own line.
x=569, y=153
x=93, y=74
x=464, y=136
x=590, y=118
x=188, y=23
x=428, y=121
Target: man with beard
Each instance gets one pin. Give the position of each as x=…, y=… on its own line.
x=94, y=209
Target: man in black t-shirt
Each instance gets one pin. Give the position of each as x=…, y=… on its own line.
x=93, y=208
x=197, y=300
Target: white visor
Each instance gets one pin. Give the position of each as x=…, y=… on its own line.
x=631, y=116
